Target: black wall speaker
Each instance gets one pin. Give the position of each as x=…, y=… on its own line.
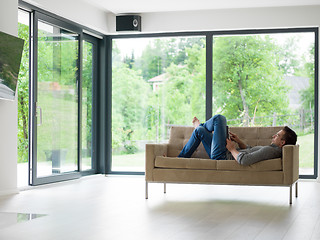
x=128, y=23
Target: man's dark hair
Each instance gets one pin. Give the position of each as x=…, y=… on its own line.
x=289, y=136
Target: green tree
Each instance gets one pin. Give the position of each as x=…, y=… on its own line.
x=161, y=53
x=184, y=92
x=87, y=92
x=129, y=60
x=307, y=95
x=54, y=57
x=246, y=78
x=129, y=98
x=286, y=56
x=151, y=61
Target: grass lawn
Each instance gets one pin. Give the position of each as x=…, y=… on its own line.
x=59, y=124
x=128, y=161
x=306, y=150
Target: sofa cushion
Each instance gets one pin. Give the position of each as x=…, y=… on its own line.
x=267, y=165
x=185, y=163
x=208, y=164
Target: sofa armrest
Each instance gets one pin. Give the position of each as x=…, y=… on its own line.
x=290, y=158
x=153, y=150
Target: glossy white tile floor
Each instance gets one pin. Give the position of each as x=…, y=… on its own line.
x=114, y=207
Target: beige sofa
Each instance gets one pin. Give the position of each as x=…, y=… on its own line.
x=163, y=165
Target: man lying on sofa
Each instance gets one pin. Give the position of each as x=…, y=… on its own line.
x=219, y=147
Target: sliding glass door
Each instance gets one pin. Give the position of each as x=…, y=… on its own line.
x=62, y=109
x=55, y=99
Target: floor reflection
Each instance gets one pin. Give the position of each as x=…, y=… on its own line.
x=7, y=219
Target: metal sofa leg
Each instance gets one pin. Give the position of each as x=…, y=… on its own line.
x=164, y=187
x=146, y=190
x=290, y=197
x=296, y=189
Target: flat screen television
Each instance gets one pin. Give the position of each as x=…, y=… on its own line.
x=11, y=49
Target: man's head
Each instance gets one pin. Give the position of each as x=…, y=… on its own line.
x=284, y=137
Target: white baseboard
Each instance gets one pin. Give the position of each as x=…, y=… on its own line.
x=9, y=192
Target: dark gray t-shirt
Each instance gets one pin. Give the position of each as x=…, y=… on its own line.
x=252, y=155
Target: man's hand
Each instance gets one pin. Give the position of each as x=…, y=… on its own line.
x=231, y=146
x=235, y=138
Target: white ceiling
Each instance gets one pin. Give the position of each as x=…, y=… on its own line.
x=144, y=6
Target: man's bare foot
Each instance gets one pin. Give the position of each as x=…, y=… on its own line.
x=195, y=122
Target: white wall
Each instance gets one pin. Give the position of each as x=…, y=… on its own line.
x=228, y=19
x=233, y=19
x=76, y=11
x=8, y=111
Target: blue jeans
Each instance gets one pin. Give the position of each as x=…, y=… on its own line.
x=214, y=143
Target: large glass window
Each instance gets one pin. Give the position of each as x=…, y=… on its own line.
x=156, y=83
x=258, y=79
x=268, y=80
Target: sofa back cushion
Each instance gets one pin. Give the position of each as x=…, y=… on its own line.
x=253, y=136
x=179, y=136
x=256, y=136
